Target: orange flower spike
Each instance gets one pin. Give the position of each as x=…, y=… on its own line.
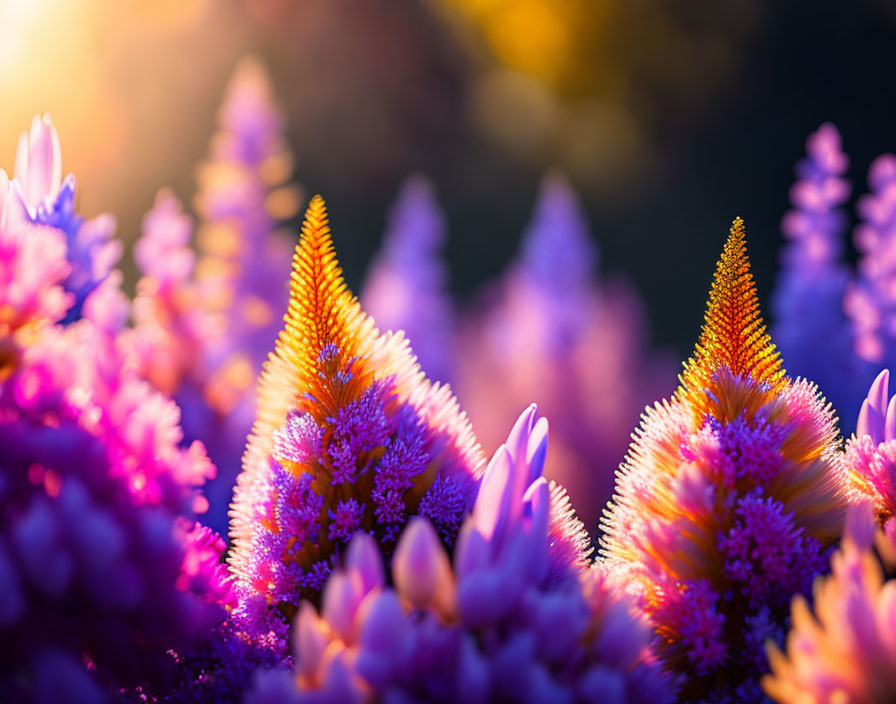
x=349, y=436
x=728, y=499
x=733, y=334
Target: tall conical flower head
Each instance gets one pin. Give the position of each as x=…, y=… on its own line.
x=811, y=326
x=869, y=458
x=405, y=286
x=350, y=436
x=552, y=333
x=846, y=651
x=871, y=299
x=494, y=626
x=243, y=194
x=728, y=498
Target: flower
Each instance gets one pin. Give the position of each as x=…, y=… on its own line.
x=243, y=259
x=846, y=651
x=811, y=326
x=497, y=625
x=728, y=499
x=869, y=457
x=92, y=250
x=33, y=267
x=405, y=285
x=869, y=299
x=100, y=572
x=551, y=333
x=349, y=436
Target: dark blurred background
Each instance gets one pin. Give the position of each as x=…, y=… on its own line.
x=670, y=117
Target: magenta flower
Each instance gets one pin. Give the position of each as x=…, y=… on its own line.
x=405, y=286
x=498, y=625
x=101, y=577
x=551, y=333
x=869, y=459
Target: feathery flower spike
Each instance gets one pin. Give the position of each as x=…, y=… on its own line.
x=728, y=499
x=350, y=436
x=811, y=327
x=870, y=301
x=499, y=625
x=733, y=335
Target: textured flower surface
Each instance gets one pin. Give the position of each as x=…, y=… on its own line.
x=551, y=333
x=811, y=326
x=405, y=286
x=869, y=458
x=499, y=625
x=100, y=574
x=728, y=499
x=846, y=651
x=350, y=436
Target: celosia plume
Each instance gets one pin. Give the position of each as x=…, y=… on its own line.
x=728, y=499
x=349, y=436
x=499, y=625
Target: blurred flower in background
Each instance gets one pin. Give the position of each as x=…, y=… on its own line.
x=550, y=332
x=203, y=325
x=406, y=285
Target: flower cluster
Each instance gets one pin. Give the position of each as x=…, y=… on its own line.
x=500, y=624
x=728, y=499
x=98, y=564
x=350, y=437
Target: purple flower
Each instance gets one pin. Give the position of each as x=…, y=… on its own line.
x=811, y=327
x=350, y=437
x=92, y=251
x=405, y=286
x=870, y=300
x=494, y=626
x=552, y=333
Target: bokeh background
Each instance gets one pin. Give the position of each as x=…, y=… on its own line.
x=669, y=117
